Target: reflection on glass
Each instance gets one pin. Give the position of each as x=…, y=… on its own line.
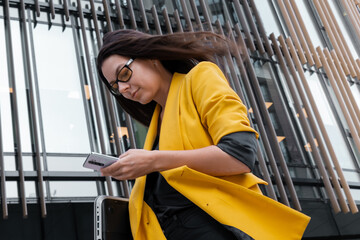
x=278, y=113
x=342, y=25
x=11, y=189
x=60, y=91
x=269, y=19
x=73, y=189
x=30, y=189
x=9, y=163
x=336, y=138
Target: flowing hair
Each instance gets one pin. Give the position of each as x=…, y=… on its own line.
x=178, y=52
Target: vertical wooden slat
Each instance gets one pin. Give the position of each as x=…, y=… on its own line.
x=337, y=32
x=52, y=9
x=14, y=107
x=343, y=94
x=335, y=88
x=314, y=121
x=312, y=106
x=290, y=26
x=331, y=36
x=238, y=90
x=244, y=25
x=306, y=34
x=271, y=131
x=31, y=100
x=346, y=85
x=353, y=16
x=299, y=33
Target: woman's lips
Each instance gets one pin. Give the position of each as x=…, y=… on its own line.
x=134, y=93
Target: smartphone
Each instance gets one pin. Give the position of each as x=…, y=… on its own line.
x=98, y=161
x=112, y=218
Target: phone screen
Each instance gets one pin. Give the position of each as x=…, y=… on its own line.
x=115, y=216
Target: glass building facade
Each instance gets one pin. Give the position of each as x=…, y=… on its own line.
x=297, y=69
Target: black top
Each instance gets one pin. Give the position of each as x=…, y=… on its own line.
x=165, y=201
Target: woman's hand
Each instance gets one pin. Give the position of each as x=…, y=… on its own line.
x=131, y=164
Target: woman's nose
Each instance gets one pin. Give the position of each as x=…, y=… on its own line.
x=123, y=87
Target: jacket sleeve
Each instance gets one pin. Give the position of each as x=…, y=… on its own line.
x=220, y=108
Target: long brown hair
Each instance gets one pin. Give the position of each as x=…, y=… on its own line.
x=178, y=52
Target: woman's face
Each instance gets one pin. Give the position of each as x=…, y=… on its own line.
x=146, y=83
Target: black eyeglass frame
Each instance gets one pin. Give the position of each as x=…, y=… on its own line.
x=114, y=90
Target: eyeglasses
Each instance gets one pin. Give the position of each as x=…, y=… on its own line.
x=124, y=75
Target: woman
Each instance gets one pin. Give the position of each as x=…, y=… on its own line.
x=193, y=176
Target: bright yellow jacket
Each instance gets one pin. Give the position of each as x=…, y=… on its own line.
x=200, y=109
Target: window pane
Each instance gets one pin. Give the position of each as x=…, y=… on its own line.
x=65, y=163
x=268, y=17
x=331, y=125
x=60, y=91
x=5, y=109
x=73, y=189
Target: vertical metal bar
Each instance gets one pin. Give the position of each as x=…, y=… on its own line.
x=37, y=94
x=196, y=15
x=2, y=175
x=107, y=14
x=304, y=122
x=244, y=25
x=66, y=9
x=186, y=16
x=132, y=14
x=52, y=9
x=128, y=121
x=238, y=90
x=206, y=15
x=93, y=90
x=14, y=106
x=306, y=34
x=178, y=21
x=96, y=25
x=143, y=16
x=310, y=108
x=167, y=20
x=31, y=103
x=156, y=20
x=260, y=25
x=119, y=14
x=37, y=8
x=271, y=130
x=260, y=124
x=254, y=30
